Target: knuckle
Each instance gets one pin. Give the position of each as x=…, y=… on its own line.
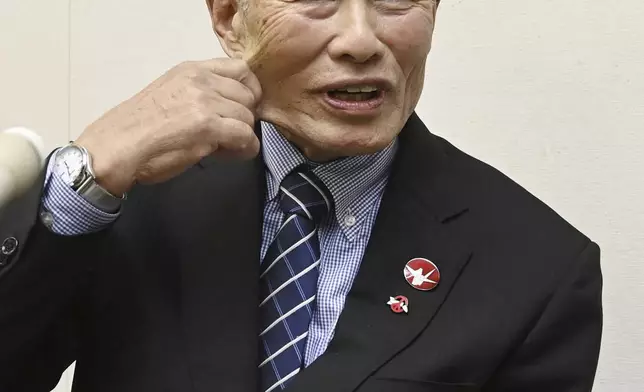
x=257, y=96
x=188, y=64
x=201, y=120
x=191, y=76
x=250, y=118
x=247, y=134
x=202, y=150
x=239, y=64
x=249, y=97
x=202, y=98
x=190, y=91
x=240, y=69
x=215, y=62
x=244, y=115
x=194, y=71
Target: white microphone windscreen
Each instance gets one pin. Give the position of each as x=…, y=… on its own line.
x=36, y=140
x=22, y=156
x=6, y=186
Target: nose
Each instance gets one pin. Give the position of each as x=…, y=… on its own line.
x=356, y=39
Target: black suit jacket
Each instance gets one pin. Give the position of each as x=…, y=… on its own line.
x=166, y=299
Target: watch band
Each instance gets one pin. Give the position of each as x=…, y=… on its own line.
x=95, y=194
x=99, y=197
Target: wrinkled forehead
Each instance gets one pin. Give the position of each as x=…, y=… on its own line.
x=244, y=3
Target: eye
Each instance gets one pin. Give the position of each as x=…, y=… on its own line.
x=396, y=4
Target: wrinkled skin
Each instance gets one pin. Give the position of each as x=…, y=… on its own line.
x=295, y=47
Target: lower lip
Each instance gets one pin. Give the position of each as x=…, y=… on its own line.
x=356, y=107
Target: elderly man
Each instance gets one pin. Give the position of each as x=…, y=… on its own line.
x=291, y=224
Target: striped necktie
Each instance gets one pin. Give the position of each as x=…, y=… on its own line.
x=288, y=280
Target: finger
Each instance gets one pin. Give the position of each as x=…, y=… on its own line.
x=233, y=90
x=236, y=69
x=251, y=151
x=250, y=80
x=227, y=108
x=247, y=153
x=254, y=57
x=234, y=135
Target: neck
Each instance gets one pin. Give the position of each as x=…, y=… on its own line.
x=312, y=153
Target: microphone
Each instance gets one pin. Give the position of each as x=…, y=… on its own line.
x=22, y=157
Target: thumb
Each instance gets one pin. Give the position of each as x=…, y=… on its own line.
x=254, y=58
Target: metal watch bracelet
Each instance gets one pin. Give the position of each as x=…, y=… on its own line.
x=95, y=194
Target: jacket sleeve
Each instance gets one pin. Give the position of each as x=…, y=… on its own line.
x=42, y=278
x=561, y=352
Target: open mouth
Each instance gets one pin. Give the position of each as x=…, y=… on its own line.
x=355, y=94
x=356, y=100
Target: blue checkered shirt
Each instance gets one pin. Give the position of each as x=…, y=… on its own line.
x=356, y=184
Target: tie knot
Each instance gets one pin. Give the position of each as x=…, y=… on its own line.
x=302, y=193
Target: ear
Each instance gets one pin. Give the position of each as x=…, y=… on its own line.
x=227, y=23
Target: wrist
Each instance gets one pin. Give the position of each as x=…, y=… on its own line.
x=107, y=176
x=73, y=165
x=108, y=173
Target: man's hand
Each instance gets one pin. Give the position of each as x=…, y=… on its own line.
x=194, y=110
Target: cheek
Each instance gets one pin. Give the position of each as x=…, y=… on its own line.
x=409, y=37
x=287, y=44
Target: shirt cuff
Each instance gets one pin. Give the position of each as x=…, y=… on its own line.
x=70, y=214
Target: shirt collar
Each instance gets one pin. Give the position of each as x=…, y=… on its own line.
x=346, y=178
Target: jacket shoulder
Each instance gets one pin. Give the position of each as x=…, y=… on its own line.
x=503, y=211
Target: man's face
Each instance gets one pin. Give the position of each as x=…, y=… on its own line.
x=339, y=77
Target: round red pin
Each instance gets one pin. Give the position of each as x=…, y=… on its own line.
x=422, y=274
x=399, y=304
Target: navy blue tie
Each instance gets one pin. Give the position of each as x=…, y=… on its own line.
x=288, y=280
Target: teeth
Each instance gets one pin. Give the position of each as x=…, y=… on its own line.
x=358, y=89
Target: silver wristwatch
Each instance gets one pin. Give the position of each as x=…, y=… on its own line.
x=73, y=165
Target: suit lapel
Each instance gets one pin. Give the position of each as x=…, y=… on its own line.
x=412, y=222
x=218, y=305
x=219, y=275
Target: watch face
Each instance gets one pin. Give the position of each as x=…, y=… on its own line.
x=69, y=165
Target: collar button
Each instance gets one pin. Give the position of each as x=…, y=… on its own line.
x=349, y=220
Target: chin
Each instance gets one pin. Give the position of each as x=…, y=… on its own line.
x=331, y=138
x=354, y=147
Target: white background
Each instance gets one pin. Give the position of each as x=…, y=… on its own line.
x=551, y=92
